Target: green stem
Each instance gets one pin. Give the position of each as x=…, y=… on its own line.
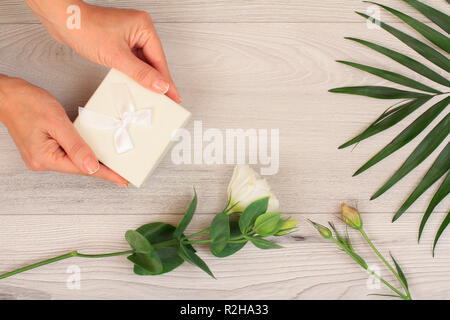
x=165, y=243
x=401, y=295
x=237, y=241
x=103, y=255
x=198, y=241
x=197, y=234
x=394, y=272
x=61, y=257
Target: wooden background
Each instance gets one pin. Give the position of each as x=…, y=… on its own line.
x=238, y=64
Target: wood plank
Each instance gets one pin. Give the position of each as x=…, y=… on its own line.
x=15, y=11
x=230, y=76
x=308, y=267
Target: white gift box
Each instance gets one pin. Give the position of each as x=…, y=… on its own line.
x=129, y=127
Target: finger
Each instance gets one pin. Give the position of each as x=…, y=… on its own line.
x=142, y=72
x=109, y=175
x=154, y=53
x=172, y=92
x=65, y=165
x=77, y=150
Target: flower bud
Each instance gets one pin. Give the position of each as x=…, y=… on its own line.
x=286, y=227
x=324, y=231
x=351, y=216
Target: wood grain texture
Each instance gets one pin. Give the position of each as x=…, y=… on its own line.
x=238, y=64
x=230, y=76
x=15, y=11
x=308, y=267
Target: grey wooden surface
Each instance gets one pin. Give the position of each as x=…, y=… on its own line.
x=238, y=64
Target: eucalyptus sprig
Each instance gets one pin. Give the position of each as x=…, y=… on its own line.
x=352, y=218
x=158, y=247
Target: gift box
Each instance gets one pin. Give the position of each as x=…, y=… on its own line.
x=129, y=127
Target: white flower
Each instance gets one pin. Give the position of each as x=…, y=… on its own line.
x=246, y=186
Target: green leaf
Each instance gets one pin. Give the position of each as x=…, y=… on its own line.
x=149, y=262
x=264, y=244
x=219, y=232
x=429, y=33
x=232, y=248
x=347, y=239
x=338, y=235
x=186, y=218
x=442, y=227
x=440, y=194
x=437, y=170
x=400, y=272
x=190, y=256
x=252, y=212
x=379, y=92
x=358, y=259
x=391, y=76
x=138, y=242
x=268, y=223
x=156, y=233
x=387, y=120
x=438, y=17
x=384, y=295
x=408, y=134
x=422, y=151
x=420, y=47
x=406, y=61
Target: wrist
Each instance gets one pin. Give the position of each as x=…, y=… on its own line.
x=8, y=86
x=55, y=15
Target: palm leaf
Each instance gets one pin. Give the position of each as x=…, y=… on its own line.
x=406, y=61
x=437, y=170
x=438, y=17
x=391, y=76
x=379, y=92
x=429, y=33
x=420, y=47
x=404, y=137
x=440, y=194
x=443, y=226
x=387, y=120
x=422, y=151
x=414, y=101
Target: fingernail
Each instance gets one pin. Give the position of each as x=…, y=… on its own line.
x=91, y=165
x=161, y=86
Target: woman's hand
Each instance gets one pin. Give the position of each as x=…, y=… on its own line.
x=118, y=38
x=44, y=135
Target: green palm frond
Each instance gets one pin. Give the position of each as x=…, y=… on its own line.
x=436, y=52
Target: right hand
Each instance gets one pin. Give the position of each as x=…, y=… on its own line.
x=122, y=39
x=44, y=135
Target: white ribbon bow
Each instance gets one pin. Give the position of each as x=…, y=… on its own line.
x=128, y=116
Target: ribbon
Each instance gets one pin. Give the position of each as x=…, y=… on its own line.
x=128, y=116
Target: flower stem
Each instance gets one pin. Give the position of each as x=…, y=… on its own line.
x=401, y=295
x=366, y=237
x=103, y=255
x=197, y=234
x=165, y=243
x=61, y=257
x=198, y=241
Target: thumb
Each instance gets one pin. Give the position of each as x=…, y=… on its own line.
x=142, y=73
x=76, y=149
